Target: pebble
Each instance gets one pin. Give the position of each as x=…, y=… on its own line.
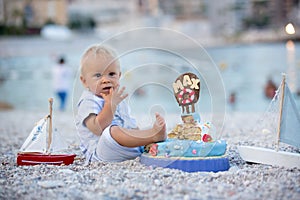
x=51, y=184
x=66, y=171
x=234, y=169
x=157, y=182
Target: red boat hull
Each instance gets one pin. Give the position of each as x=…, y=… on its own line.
x=39, y=158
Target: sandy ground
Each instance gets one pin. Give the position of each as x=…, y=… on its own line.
x=131, y=179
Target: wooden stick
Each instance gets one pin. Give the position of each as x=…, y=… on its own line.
x=50, y=125
x=280, y=111
x=193, y=108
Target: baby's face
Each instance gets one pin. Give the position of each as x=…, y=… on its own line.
x=100, y=76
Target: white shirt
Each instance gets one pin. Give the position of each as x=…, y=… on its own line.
x=61, y=77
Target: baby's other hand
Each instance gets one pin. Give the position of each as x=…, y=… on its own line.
x=117, y=95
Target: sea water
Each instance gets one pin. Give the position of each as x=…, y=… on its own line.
x=26, y=74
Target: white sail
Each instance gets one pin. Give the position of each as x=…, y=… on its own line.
x=290, y=120
x=58, y=144
x=42, y=139
x=36, y=141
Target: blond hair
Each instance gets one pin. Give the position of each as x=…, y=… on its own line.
x=98, y=50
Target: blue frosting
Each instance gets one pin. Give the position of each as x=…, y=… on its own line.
x=191, y=148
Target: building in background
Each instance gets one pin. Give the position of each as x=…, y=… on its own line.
x=99, y=13
x=206, y=17
x=33, y=13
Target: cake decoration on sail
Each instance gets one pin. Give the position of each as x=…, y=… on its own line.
x=42, y=142
x=186, y=89
x=288, y=132
x=190, y=146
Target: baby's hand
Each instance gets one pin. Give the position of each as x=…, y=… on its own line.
x=115, y=96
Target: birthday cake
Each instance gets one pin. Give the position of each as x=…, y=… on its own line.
x=190, y=146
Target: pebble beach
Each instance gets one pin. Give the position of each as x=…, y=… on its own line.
x=131, y=179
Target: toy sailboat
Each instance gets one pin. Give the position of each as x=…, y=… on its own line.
x=288, y=131
x=41, y=143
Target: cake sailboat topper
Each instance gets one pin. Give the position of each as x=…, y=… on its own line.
x=186, y=90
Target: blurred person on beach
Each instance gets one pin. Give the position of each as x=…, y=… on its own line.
x=232, y=100
x=270, y=89
x=61, y=81
x=106, y=130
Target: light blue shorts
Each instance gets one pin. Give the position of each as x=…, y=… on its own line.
x=110, y=150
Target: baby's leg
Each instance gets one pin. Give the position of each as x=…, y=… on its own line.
x=109, y=150
x=134, y=138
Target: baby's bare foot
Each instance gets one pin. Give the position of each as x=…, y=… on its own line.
x=159, y=127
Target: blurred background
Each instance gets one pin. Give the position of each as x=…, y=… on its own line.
x=251, y=42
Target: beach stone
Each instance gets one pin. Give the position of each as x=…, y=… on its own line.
x=51, y=184
x=66, y=171
x=214, y=175
x=234, y=169
x=157, y=182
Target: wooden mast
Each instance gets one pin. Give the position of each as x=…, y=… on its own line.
x=280, y=110
x=50, y=125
